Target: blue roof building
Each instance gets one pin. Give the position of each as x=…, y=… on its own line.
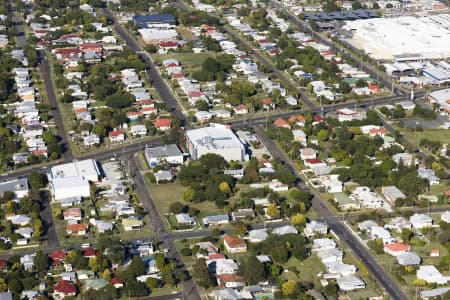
x=145, y=21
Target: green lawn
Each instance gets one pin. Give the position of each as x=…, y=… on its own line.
x=165, y=194
x=191, y=62
x=440, y=135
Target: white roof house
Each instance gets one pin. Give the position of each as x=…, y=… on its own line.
x=323, y=244
x=218, y=139
x=378, y=232
x=430, y=274
x=408, y=259
x=350, y=282
x=284, y=230
x=398, y=223
x=338, y=267
x=392, y=193
x=258, y=235
x=222, y=266
x=185, y=219
x=445, y=216
x=330, y=255
x=315, y=227
x=366, y=225
x=421, y=221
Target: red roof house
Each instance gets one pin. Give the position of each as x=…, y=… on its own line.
x=117, y=282
x=77, y=229
x=395, y=249
x=64, y=288
x=241, y=109
x=3, y=264
x=169, y=45
x=89, y=252
x=163, y=124
x=234, y=244
x=216, y=256
x=116, y=136
x=73, y=213
x=281, y=123
x=90, y=47
x=230, y=281
x=57, y=257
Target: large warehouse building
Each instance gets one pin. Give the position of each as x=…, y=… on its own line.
x=218, y=139
x=404, y=38
x=72, y=180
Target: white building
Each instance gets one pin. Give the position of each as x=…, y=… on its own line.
x=369, y=199
x=72, y=180
x=323, y=244
x=218, y=139
x=168, y=153
x=431, y=275
x=315, y=227
x=18, y=186
x=420, y=221
x=350, y=282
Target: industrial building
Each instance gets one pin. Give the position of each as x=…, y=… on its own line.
x=71, y=182
x=404, y=38
x=157, y=20
x=168, y=153
x=218, y=139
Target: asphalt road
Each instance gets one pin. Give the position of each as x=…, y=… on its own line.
x=377, y=271
x=262, y=59
x=47, y=216
x=157, y=81
x=190, y=289
x=44, y=67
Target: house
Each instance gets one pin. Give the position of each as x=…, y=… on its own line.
x=226, y=294
x=91, y=140
x=392, y=193
x=240, y=110
x=287, y=229
x=138, y=130
x=408, y=259
x=167, y=153
x=131, y=224
x=242, y=214
x=346, y=114
x=85, y=274
x=72, y=214
x=57, y=257
x=420, y=221
x=90, y=47
x=68, y=276
x=314, y=163
x=429, y=175
x=185, y=219
x=215, y=220
x=27, y=261
x=163, y=175
x=430, y=274
x=281, y=123
x=102, y=226
x=89, y=252
x=77, y=229
x=298, y=120
x=434, y=293
x=230, y=281
x=163, y=124
x=222, y=266
x=445, y=216
x=116, y=136
x=323, y=244
x=406, y=158
x=299, y=135
x=308, y=153
x=315, y=228
x=64, y=289
x=338, y=267
x=95, y=284
x=25, y=232
x=398, y=223
x=234, y=244
x=435, y=253
x=378, y=232
x=330, y=255
x=6, y=296
x=395, y=249
x=117, y=282
x=258, y=235
x=350, y=282
x=20, y=220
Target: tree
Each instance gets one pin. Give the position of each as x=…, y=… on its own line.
x=213, y=161
x=15, y=286
x=37, y=180
x=344, y=87
x=136, y=267
x=239, y=228
x=201, y=273
x=376, y=245
x=152, y=283
x=177, y=207
x=298, y=220
x=406, y=235
x=273, y=211
x=356, y=5
x=289, y=288
x=322, y=135
x=93, y=264
x=224, y=187
x=3, y=286
x=40, y=262
x=361, y=83
x=135, y=288
x=252, y=269
x=202, y=105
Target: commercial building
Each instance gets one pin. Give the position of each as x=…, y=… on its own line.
x=71, y=180
x=18, y=186
x=156, y=20
x=218, y=139
x=168, y=153
x=403, y=38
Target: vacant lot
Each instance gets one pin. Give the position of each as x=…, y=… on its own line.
x=190, y=62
